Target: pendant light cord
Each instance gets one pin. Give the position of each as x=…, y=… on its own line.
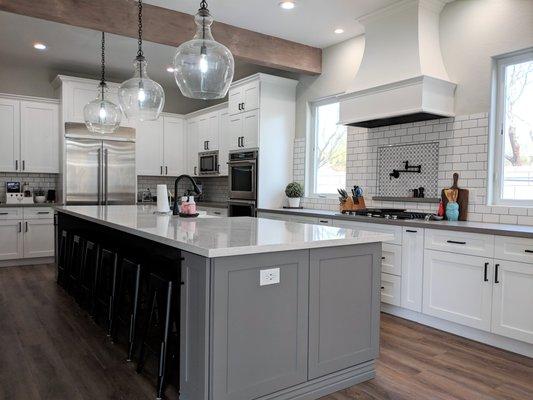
x=102, y=78
x=140, y=54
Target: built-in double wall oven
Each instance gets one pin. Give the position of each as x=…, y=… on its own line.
x=242, y=171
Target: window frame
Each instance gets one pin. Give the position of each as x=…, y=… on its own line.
x=311, y=148
x=496, y=154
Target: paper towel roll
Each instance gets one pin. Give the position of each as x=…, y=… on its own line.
x=162, y=199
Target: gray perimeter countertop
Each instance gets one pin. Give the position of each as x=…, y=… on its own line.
x=463, y=226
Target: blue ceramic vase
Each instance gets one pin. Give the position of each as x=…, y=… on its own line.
x=452, y=211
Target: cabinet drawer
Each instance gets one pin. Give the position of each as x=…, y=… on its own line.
x=8, y=213
x=513, y=249
x=303, y=219
x=38, y=212
x=391, y=289
x=473, y=244
x=391, y=259
x=365, y=226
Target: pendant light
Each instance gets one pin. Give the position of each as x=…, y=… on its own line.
x=141, y=98
x=101, y=115
x=203, y=68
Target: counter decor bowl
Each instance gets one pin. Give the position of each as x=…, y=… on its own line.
x=40, y=199
x=294, y=191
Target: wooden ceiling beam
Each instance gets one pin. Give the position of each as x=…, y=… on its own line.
x=168, y=27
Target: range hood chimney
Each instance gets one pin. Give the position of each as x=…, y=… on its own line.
x=402, y=77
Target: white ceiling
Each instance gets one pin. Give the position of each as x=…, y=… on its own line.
x=311, y=22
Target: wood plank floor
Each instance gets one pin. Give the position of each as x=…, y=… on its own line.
x=49, y=349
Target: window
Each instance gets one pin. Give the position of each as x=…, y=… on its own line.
x=328, y=150
x=513, y=133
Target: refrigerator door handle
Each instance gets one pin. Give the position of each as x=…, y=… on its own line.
x=99, y=178
x=106, y=166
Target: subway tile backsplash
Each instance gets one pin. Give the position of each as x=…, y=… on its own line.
x=463, y=148
x=35, y=181
x=215, y=188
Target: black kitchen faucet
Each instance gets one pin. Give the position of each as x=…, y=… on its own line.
x=175, y=206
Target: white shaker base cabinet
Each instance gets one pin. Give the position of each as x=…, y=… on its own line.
x=455, y=288
x=512, y=314
x=412, y=268
x=38, y=238
x=11, y=242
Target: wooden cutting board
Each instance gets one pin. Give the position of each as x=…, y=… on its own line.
x=462, y=198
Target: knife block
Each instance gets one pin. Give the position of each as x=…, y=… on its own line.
x=353, y=205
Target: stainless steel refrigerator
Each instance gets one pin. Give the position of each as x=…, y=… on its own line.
x=99, y=169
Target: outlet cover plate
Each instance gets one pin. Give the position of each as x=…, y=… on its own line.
x=269, y=276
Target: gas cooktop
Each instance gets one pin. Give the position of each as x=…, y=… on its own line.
x=389, y=213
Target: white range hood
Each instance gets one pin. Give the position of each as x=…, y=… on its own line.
x=402, y=77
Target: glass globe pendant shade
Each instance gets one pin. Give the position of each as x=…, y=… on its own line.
x=203, y=68
x=101, y=115
x=141, y=98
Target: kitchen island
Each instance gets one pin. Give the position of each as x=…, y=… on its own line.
x=269, y=309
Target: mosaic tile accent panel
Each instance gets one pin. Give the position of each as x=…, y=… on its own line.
x=394, y=157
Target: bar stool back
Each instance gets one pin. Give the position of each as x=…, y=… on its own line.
x=104, y=288
x=75, y=263
x=62, y=259
x=89, y=266
x=127, y=303
x=161, y=334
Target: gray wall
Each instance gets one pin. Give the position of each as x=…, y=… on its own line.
x=472, y=31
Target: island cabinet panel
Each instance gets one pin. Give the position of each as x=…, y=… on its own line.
x=343, y=322
x=259, y=333
x=194, y=341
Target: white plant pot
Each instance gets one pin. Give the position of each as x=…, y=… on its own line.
x=294, y=202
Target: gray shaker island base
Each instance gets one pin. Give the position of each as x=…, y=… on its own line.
x=313, y=333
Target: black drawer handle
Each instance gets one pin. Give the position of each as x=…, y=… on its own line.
x=216, y=212
x=486, y=277
x=323, y=221
x=496, y=268
x=528, y=251
x=383, y=288
x=410, y=231
x=43, y=212
x=4, y=213
x=383, y=257
x=455, y=242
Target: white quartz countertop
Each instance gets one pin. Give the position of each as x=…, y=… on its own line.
x=462, y=226
x=210, y=236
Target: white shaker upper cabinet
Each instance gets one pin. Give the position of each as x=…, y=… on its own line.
x=512, y=300
x=39, y=137
x=244, y=97
x=192, y=146
x=174, y=146
x=149, y=147
x=224, y=142
x=9, y=135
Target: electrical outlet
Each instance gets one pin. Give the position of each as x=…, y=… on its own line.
x=269, y=276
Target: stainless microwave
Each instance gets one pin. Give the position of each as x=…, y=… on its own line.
x=208, y=163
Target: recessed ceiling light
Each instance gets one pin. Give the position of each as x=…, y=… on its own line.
x=170, y=69
x=287, y=4
x=39, y=46
x=338, y=31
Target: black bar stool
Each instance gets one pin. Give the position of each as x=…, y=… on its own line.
x=162, y=330
x=74, y=264
x=85, y=295
x=126, y=306
x=62, y=260
x=104, y=288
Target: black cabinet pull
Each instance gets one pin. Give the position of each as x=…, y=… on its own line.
x=486, y=278
x=161, y=168
x=383, y=257
x=410, y=231
x=16, y=165
x=216, y=212
x=195, y=170
x=242, y=141
x=20, y=226
x=383, y=288
x=26, y=226
x=455, y=242
x=243, y=107
x=4, y=213
x=207, y=145
x=323, y=221
x=496, y=268
x=43, y=212
x=166, y=169
x=23, y=165
x=528, y=251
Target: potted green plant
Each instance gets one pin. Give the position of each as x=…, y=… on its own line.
x=294, y=191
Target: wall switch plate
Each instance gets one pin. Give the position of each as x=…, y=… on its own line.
x=269, y=276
